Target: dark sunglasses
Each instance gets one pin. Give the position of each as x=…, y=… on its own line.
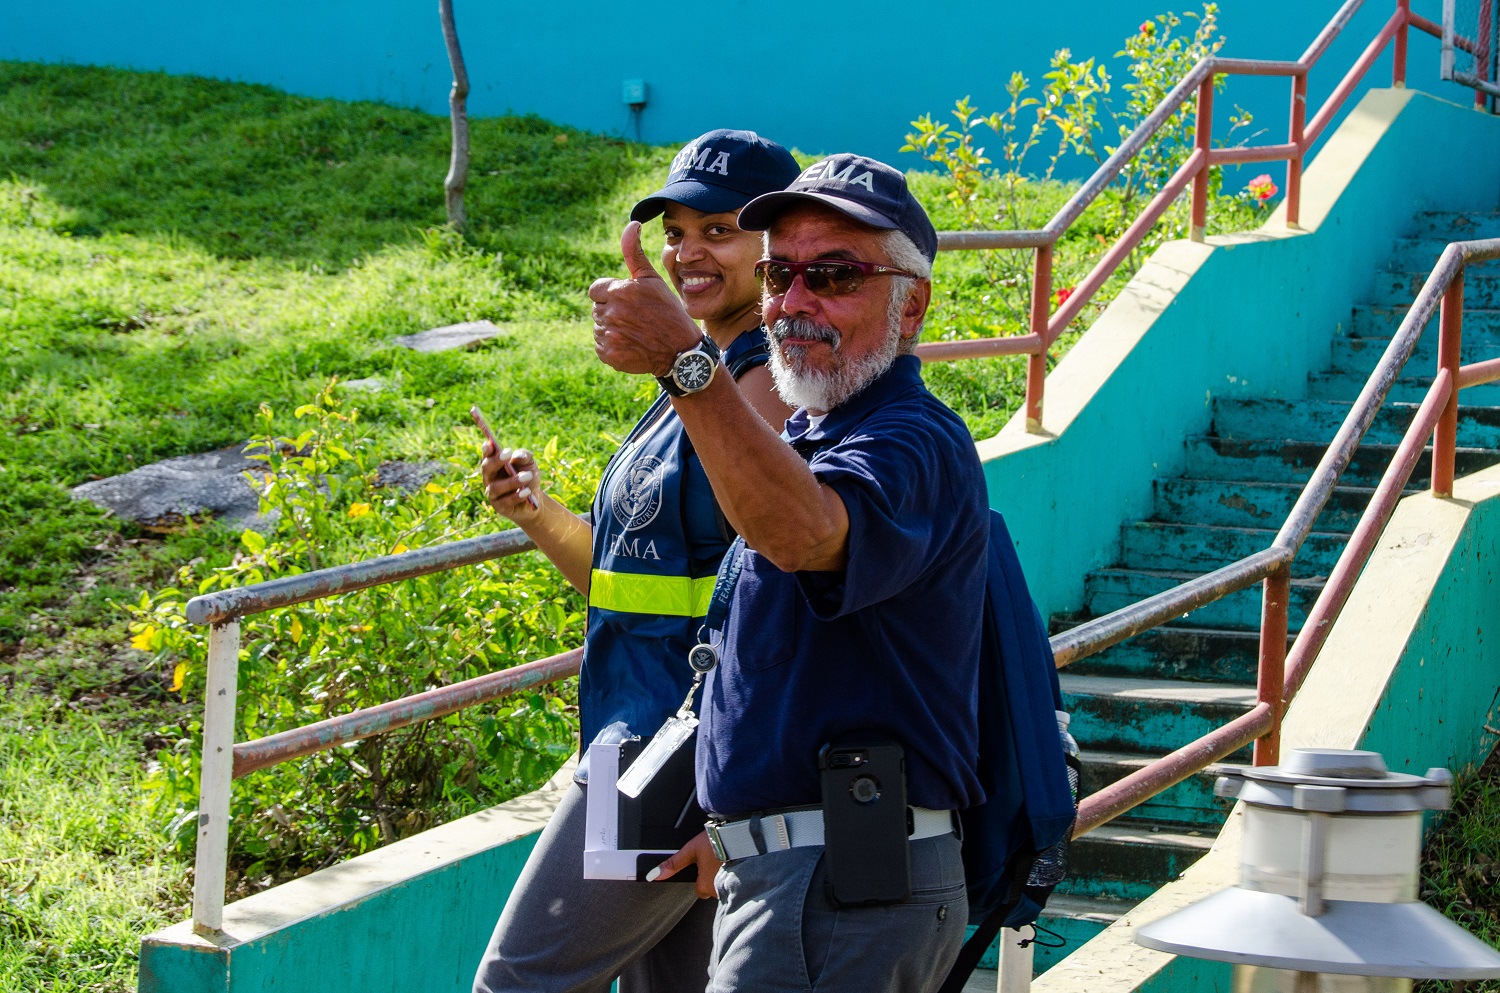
x=822, y=277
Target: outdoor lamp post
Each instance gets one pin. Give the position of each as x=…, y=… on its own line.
x=1327, y=898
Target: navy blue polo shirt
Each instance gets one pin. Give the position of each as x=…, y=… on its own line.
x=887, y=649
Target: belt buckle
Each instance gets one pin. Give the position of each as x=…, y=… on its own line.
x=715, y=842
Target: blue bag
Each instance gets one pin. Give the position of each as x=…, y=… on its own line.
x=1029, y=808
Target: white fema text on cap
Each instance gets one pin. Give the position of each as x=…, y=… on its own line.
x=692, y=157
x=823, y=172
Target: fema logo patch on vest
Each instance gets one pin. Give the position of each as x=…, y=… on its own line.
x=637, y=497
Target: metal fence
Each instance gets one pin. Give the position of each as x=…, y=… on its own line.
x=1470, y=29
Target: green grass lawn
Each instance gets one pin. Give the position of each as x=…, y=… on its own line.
x=175, y=252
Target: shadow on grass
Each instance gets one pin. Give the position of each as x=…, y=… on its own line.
x=244, y=171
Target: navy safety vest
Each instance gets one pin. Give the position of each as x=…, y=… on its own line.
x=658, y=538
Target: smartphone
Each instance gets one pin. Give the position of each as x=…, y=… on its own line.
x=865, y=834
x=484, y=426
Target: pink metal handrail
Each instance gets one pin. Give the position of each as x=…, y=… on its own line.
x=1282, y=671
x=1045, y=325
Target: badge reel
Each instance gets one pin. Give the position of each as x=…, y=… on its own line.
x=702, y=658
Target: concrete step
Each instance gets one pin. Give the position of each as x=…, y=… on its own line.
x=1242, y=503
x=1456, y=225
x=1191, y=804
x=1129, y=862
x=1420, y=254
x=1293, y=461
x=1215, y=655
x=1148, y=716
x=1370, y=320
x=1172, y=547
x=1108, y=590
x=1070, y=919
x=1362, y=354
x=1320, y=420
x=1410, y=388
x=1397, y=287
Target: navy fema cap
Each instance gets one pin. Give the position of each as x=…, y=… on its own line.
x=721, y=171
x=862, y=188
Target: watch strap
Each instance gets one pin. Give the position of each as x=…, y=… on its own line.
x=668, y=383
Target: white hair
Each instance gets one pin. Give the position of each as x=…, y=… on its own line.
x=904, y=254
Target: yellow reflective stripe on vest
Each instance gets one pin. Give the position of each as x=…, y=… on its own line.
x=633, y=593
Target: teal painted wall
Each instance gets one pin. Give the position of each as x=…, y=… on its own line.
x=1444, y=696
x=731, y=64
x=424, y=935
x=1254, y=320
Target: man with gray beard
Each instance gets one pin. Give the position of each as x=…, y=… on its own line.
x=853, y=612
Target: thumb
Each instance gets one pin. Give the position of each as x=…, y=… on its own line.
x=636, y=262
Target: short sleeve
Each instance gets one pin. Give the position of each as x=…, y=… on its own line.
x=894, y=475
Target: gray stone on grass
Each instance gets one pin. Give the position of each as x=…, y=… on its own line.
x=444, y=339
x=371, y=384
x=407, y=476
x=163, y=495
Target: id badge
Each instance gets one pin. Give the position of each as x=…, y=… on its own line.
x=677, y=730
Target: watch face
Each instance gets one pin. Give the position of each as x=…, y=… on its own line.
x=692, y=371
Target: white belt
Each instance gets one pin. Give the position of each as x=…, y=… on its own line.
x=766, y=833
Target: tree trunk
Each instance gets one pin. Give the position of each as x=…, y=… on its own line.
x=458, y=166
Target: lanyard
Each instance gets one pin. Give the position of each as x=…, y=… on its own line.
x=703, y=658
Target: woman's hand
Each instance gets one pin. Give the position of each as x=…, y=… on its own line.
x=699, y=852
x=512, y=482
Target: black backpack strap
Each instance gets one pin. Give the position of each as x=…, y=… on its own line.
x=749, y=359
x=743, y=363
x=984, y=934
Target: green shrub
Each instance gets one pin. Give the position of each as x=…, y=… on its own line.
x=1035, y=134
x=332, y=656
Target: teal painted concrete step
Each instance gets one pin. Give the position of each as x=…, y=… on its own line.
x=1419, y=254
x=1247, y=503
x=1152, y=716
x=1481, y=286
x=1359, y=353
x=1191, y=804
x=1131, y=861
x=1378, y=321
x=1277, y=461
x=1071, y=920
x=1168, y=546
x=1456, y=225
x=1320, y=420
x=1410, y=388
x=1107, y=590
x=1218, y=655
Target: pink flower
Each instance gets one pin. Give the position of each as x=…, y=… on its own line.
x=1147, y=27
x=1063, y=294
x=1262, y=188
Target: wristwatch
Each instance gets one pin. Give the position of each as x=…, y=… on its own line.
x=692, y=370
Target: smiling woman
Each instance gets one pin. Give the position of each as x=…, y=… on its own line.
x=646, y=561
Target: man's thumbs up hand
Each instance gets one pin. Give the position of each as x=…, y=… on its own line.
x=637, y=262
x=639, y=325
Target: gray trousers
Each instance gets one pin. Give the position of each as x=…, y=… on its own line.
x=561, y=933
x=776, y=932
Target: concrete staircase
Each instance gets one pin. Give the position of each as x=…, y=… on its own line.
x=1145, y=697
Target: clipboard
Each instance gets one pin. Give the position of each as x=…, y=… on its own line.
x=626, y=838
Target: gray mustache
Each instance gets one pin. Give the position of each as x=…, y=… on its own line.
x=788, y=327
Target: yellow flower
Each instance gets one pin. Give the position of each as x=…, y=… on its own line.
x=400, y=547
x=434, y=488
x=142, y=641
x=296, y=630
x=359, y=510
